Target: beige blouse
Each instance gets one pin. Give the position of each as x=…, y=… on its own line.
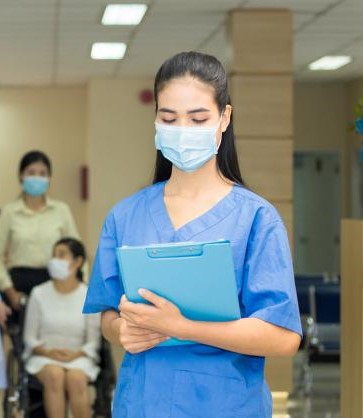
x=27, y=237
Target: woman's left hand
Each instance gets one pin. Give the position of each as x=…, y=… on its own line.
x=162, y=316
x=67, y=355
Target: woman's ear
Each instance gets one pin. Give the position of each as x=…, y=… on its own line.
x=79, y=262
x=226, y=118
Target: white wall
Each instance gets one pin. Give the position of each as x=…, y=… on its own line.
x=52, y=120
x=121, y=149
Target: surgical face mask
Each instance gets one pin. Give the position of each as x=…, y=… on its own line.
x=58, y=269
x=188, y=148
x=35, y=185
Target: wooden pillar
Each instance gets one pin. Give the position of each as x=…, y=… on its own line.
x=351, y=318
x=261, y=84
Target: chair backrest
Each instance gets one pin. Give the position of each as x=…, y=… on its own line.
x=327, y=303
x=310, y=279
x=305, y=285
x=304, y=298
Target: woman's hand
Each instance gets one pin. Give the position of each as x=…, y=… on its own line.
x=5, y=311
x=55, y=354
x=136, y=340
x=63, y=354
x=14, y=297
x=162, y=317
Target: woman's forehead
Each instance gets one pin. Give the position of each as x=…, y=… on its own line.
x=38, y=165
x=185, y=94
x=62, y=248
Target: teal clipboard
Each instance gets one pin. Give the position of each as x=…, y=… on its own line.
x=197, y=277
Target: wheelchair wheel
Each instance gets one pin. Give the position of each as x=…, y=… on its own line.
x=15, y=398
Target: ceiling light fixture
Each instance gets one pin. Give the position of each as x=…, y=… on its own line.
x=108, y=50
x=330, y=63
x=124, y=14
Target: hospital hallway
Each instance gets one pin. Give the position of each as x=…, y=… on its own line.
x=323, y=401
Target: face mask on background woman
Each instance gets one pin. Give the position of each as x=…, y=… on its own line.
x=35, y=185
x=59, y=269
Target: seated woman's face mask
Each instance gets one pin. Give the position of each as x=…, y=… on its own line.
x=188, y=148
x=58, y=269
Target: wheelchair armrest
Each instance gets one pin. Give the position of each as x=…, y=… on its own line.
x=310, y=332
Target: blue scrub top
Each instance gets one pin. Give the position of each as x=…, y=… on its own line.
x=199, y=381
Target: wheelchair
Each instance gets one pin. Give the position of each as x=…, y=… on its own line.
x=23, y=396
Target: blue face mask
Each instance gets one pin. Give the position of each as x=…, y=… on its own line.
x=35, y=185
x=188, y=148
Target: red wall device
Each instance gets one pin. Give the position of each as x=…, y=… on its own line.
x=84, y=182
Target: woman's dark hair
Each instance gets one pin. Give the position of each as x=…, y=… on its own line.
x=77, y=249
x=209, y=70
x=35, y=157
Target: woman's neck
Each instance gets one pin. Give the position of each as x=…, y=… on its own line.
x=34, y=203
x=206, y=180
x=66, y=286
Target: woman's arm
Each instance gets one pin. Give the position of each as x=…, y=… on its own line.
x=5, y=280
x=250, y=336
x=92, y=341
x=111, y=326
x=33, y=344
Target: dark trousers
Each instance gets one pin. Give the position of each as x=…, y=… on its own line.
x=24, y=278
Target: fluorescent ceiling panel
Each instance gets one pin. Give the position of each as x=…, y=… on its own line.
x=108, y=50
x=124, y=14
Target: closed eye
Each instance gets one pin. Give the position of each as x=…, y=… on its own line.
x=199, y=120
x=168, y=120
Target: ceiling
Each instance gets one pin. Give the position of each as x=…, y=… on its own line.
x=48, y=42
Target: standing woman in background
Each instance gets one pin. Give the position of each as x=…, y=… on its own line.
x=29, y=227
x=198, y=195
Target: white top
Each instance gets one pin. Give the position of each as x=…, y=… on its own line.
x=55, y=320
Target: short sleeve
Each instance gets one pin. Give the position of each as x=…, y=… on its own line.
x=104, y=290
x=268, y=290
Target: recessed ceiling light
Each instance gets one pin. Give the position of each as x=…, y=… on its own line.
x=108, y=50
x=330, y=62
x=124, y=14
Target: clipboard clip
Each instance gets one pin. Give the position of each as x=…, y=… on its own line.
x=191, y=250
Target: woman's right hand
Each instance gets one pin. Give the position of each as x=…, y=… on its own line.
x=5, y=311
x=14, y=297
x=136, y=340
x=56, y=354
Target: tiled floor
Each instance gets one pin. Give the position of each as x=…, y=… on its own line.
x=324, y=399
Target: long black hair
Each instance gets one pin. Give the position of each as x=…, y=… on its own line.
x=209, y=70
x=77, y=249
x=34, y=157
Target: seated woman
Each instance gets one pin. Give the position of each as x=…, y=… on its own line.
x=61, y=343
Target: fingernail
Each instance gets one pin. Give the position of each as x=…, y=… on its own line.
x=142, y=291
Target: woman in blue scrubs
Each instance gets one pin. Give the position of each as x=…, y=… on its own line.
x=198, y=195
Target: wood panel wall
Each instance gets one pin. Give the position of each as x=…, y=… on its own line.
x=261, y=85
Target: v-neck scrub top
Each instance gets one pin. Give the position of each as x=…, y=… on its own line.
x=200, y=381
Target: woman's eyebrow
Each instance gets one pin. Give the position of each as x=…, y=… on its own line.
x=189, y=112
x=200, y=109
x=165, y=110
